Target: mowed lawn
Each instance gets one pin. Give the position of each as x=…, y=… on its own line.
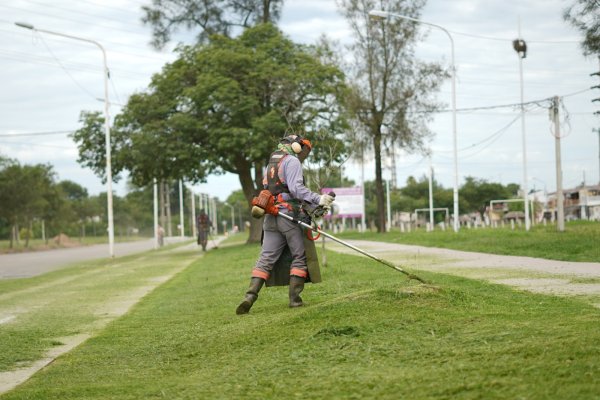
x=366, y=333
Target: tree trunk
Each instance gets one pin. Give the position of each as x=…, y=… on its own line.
x=12, y=236
x=380, y=195
x=250, y=190
x=266, y=17
x=28, y=235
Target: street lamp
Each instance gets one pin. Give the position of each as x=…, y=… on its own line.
x=385, y=14
x=520, y=47
x=111, y=229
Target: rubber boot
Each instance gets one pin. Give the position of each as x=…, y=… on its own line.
x=251, y=295
x=296, y=287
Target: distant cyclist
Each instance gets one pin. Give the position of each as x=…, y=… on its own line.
x=203, y=225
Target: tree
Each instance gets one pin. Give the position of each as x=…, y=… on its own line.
x=77, y=198
x=476, y=194
x=206, y=17
x=26, y=192
x=585, y=16
x=222, y=107
x=389, y=84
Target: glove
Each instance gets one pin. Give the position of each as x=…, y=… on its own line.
x=326, y=200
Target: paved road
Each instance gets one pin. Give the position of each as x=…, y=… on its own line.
x=24, y=265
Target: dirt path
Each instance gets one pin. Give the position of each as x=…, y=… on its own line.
x=532, y=274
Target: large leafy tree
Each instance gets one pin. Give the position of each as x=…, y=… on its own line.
x=476, y=194
x=26, y=192
x=222, y=107
x=206, y=17
x=585, y=16
x=389, y=83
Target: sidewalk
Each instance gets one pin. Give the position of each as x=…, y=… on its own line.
x=528, y=273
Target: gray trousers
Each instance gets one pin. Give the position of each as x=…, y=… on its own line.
x=279, y=232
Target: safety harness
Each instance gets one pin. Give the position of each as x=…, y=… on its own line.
x=274, y=184
x=277, y=187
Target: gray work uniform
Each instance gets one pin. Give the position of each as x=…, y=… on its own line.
x=279, y=232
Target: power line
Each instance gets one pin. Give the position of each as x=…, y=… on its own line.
x=511, y=39
x=64, y=69
x=78, y=21
x=35, y=133
x=37, y=144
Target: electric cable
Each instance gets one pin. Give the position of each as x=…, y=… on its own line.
x=510, y=40
x=40, y=37
x=35, y=144
x=8, y=135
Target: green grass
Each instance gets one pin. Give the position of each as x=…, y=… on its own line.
x=579, y=242
x=74, y=300
x=366, y=333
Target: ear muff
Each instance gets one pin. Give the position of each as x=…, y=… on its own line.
x=297, y=143
x=297, y=147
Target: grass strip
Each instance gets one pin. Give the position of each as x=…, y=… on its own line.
x=366, y=333
x=75, y=300
x=579, y=242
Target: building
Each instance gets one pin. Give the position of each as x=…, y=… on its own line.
x=582, y=202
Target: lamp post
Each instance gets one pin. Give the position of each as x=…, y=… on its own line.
x=385, y=14
x=520, y=47
x=111, y=229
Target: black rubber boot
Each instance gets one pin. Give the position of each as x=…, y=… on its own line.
x=296, y=287
x=251, y=295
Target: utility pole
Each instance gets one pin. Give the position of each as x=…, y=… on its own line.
x=194, y=233
x=560, y=223
x=597, y=113
x=155, y=213
x=431, y=224
x=389, y=213
x=181, y=222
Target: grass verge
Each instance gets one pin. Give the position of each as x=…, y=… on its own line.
x=579, y=242
x=75, y=300
x=366, y=333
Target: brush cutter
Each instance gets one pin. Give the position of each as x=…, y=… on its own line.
x=271, y=209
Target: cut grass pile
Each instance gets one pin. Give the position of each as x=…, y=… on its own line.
x=366, y=333
x=579, y=242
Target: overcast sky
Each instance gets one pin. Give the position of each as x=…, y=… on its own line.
x=48, y=80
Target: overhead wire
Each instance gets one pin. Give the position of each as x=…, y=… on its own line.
x=40, y=37
x=511, y=39
x=9, y=135
x=35, y=144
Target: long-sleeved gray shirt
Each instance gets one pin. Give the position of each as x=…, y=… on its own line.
x=290, y=173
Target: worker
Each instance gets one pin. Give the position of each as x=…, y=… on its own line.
x=284, y=179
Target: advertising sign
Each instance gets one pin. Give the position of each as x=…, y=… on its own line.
x=348, y=202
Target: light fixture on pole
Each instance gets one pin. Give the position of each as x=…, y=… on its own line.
x=385, y=14
x=111, y=230
x=521, y=48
